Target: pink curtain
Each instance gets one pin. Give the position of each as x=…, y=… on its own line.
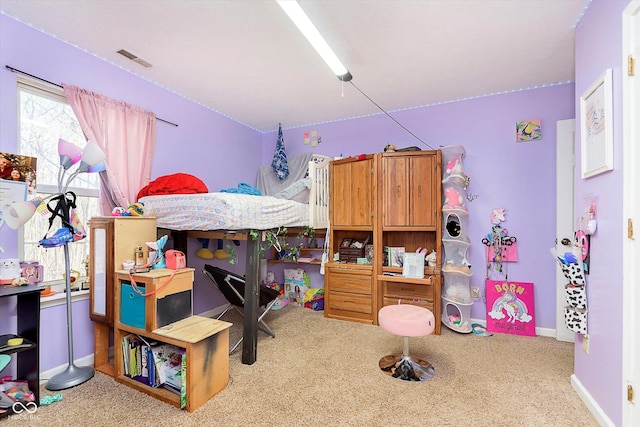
x=126, y=133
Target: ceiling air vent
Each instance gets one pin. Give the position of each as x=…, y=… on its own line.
x=134, y=58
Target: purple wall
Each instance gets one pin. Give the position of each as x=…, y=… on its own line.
x=517, y=176
x=53, y=334
x=598, y=47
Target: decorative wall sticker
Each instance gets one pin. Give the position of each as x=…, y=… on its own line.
x=311, y=138
x=528, y=130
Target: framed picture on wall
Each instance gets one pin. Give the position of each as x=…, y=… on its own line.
x=597, y=127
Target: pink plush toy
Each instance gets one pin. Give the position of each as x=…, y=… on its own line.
x=497, y=216
x=453, y=199
x=454, y=167
x=271, y=282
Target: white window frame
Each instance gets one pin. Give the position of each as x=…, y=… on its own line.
x=54, y=93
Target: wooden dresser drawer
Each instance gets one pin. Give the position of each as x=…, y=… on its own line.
x=351, y=283
x=350, y=302
x=408, y=291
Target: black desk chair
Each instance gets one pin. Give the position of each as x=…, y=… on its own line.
x=232, y=287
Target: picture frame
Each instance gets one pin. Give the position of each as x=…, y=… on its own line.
x=596, y=127
x=19, y=168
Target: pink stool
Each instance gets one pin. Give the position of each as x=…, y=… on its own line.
x=406, y=321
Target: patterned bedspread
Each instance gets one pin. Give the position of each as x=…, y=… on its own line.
x=224, y=211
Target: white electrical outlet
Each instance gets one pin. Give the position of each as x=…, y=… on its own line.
x=585, y=343
x=475, y=292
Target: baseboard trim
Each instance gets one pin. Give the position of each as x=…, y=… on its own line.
x=213, y=313
x=542, y=332
x=592, y=405
x=49, y=373
x=88, y=360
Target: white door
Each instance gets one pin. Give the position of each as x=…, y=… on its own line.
x=565, y=166
x=631, y=213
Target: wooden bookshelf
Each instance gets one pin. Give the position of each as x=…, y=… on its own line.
x=204, y=340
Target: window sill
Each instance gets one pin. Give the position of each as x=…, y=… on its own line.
x=61, y=298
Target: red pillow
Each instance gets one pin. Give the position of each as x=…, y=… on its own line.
x=177, y=183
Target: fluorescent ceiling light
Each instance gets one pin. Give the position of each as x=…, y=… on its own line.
x=296, y=14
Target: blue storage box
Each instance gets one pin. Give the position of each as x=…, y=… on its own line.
x=132, y=306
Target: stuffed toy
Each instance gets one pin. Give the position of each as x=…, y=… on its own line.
x=430, y=259
x=454, y=167
x=159, y=261
x=204, y=252
x=136, y=209
x=220, y=253
x=453, y=199
x=271, y=283
x=497, y=216
x=9, y=270
x=119, y=211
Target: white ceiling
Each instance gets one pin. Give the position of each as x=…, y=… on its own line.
x=246, y=60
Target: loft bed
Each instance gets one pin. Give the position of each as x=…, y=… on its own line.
x=301, y=200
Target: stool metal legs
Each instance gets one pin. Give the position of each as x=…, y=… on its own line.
x=404, y=367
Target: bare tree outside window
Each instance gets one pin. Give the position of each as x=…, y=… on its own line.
x=45, y=116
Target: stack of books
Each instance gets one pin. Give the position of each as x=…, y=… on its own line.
x=155, y=364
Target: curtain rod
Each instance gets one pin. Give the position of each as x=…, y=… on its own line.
x=15, y=70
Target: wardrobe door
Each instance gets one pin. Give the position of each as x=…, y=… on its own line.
x=340, y=176
x=361, y=193
x=395, y=195
x=422, y=203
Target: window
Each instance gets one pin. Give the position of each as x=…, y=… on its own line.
x=45, y=116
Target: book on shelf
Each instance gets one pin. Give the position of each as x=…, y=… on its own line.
x=124, y=343
x=183, y=385
x=136, y=353
x=155, y=364
x=394, y=256
x=178, y=382
x=167, y=359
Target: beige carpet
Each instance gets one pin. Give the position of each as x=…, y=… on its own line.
x=323, y=372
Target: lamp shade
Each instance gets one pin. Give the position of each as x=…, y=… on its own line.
x=98, y=167
x=91, y=156
x=69, y=153
x=17, y=214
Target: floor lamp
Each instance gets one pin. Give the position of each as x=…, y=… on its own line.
x=17, y=214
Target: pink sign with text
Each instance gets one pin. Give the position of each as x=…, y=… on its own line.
x=510, y=307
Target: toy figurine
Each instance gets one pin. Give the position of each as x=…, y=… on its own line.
x=453, y=199
x=159, y=261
